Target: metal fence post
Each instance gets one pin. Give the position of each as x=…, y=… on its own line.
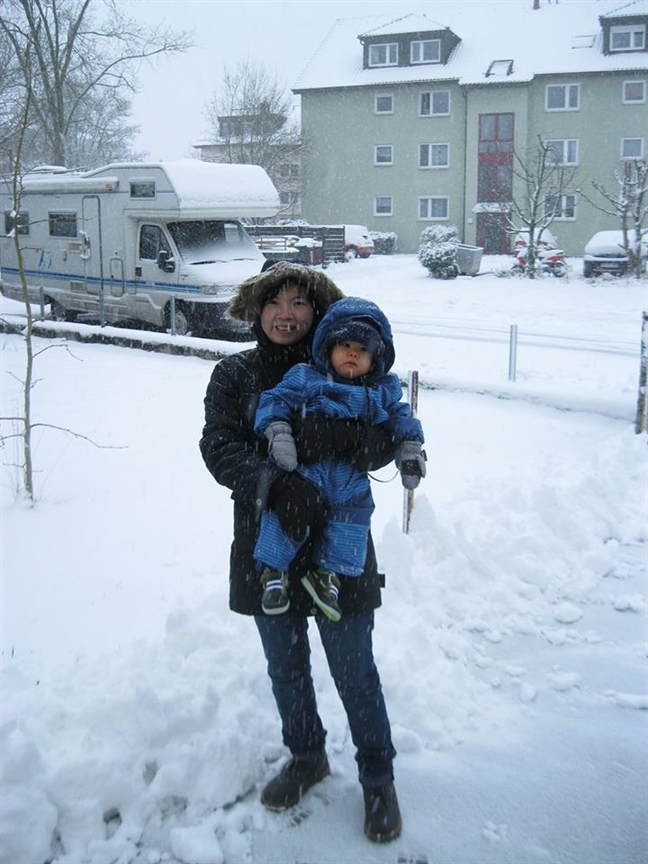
x=408, y=494
x=640, y=419
x=172, y=316
x=513, y=352
x=41, y=302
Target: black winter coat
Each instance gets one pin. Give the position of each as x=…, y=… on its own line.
x=237, y=459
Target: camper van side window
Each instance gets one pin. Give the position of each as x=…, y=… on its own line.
x=63, y=224
x=10, y=221
x=152, y=241
x=142, y=189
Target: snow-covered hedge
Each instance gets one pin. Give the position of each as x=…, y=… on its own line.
x=438, y=250
x=385, y=242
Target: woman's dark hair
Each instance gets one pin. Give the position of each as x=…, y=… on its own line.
x=254, y=293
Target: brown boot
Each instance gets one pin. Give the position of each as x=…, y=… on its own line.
x=295, y=778
x=382, y=814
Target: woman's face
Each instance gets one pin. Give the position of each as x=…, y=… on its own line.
x=287, y=318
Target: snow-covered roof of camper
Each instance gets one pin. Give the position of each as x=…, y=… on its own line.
x=245, y=190
x=564, y=37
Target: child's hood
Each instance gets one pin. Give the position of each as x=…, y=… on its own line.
x=338, y=316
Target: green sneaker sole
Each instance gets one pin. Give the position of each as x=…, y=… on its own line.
x=332, y=614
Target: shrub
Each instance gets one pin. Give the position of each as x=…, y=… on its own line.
x=439, y=260
x=385, y=242
x=440, y=234
x=438, y=251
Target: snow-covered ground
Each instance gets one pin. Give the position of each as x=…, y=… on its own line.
x=137, y=719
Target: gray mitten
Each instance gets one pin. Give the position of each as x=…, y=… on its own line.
x=410, y=461
x=281, y=444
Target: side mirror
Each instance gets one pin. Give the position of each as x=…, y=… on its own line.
x=165, y=261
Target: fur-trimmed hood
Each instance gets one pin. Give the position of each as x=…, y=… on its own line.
x=252, y=294
x=340, y=318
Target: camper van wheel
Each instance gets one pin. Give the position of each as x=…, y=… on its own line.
x=58, y=312
x=182, y=319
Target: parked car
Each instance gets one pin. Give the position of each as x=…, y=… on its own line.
x=357, y=241
x=605, y=253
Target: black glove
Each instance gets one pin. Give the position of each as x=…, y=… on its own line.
x=376, y=449
x=297, y=505
x=318, y=437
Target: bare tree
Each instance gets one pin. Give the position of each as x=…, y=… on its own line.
x=544, y=181
x=250, y=117
x=629, y=204
x=78, y=60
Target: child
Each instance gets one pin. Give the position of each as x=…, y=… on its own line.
x=352, y=354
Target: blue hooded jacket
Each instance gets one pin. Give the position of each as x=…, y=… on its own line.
x=375, y=398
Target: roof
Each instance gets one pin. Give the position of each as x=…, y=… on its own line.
x=208, y=186
x=563, y=37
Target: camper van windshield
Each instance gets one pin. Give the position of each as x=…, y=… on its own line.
x=205, y=242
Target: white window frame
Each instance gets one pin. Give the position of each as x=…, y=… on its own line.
x=625, y=141
x=382, y=212
x=568, y=90
x=431, y=94
x=391, y=54
x=567, y=206
x=632, y=30
x=634, y=83
x=566, y=145
x=378, y=96
x=429, y=159
x=429, y=199
x=380, y=162
x=419, y=47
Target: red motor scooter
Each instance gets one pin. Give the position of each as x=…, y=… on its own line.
x=548, y=258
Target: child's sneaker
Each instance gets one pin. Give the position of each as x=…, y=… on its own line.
x=324, y=587
x=275, y=598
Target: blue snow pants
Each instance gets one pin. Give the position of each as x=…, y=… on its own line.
x=341, y=545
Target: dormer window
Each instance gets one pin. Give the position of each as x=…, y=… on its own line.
x=385, y=54
x=414, y=40
x=425, y=51
x=628, y=37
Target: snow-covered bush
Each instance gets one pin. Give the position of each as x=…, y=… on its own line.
x=385, y=242
x=435, y=234
x=438, y=251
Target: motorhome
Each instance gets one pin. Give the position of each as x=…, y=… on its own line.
x=160, y=243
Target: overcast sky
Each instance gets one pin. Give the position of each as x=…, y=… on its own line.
x=282, y=34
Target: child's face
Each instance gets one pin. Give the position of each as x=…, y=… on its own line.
x=351, y=359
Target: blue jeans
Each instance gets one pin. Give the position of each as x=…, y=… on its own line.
x=349, y=651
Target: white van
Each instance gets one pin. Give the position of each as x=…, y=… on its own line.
x=134, y=241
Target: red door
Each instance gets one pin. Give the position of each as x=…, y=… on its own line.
x=494, y=180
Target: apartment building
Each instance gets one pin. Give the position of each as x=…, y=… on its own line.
x=421, y=119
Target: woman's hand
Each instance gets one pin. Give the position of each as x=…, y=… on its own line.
x=297, y=505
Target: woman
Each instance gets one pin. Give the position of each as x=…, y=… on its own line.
x=283, y=305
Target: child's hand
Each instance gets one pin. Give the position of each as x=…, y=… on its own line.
x=281, y=445
x=410, y=461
